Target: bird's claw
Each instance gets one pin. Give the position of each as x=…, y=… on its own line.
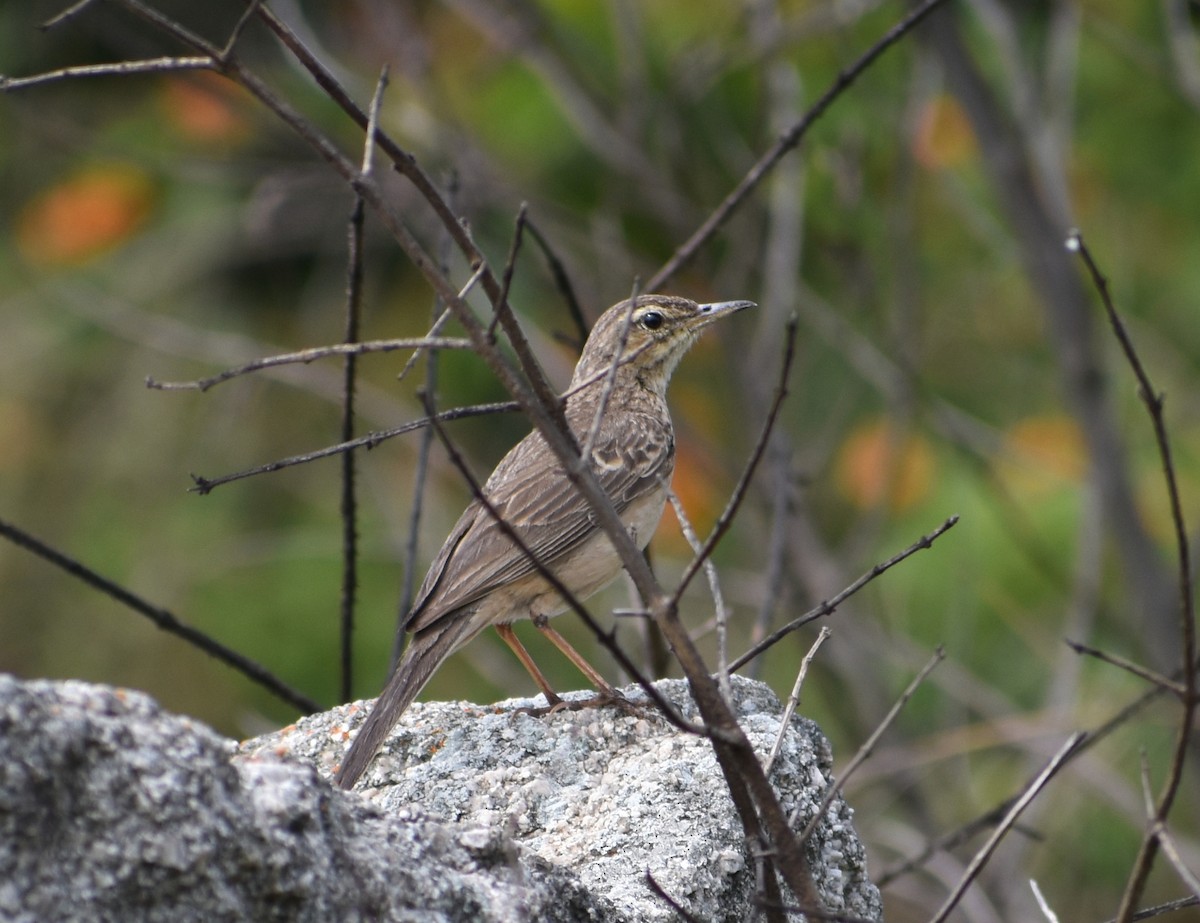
x=599, y=700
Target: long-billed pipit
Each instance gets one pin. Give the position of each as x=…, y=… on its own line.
x=616, y=405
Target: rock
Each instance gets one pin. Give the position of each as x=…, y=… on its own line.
x=112, y=809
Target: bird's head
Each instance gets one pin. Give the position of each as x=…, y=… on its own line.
x=654, y=330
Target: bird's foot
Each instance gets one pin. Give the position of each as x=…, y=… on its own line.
x=601, y=699
x=553, y=704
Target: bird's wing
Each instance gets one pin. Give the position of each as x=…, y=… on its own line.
x=531, y=491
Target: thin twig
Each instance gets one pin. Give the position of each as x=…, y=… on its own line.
x=868, y=747
x=980, y=859
x=1043, y=904
x=1159, y=909
x=790, y=139
x=406, y=164
x=510, y=266
x=776, y=551
x=1153, y=401
x=1179, y=690
x=162, y=619
x=1171, y=851
x=725, y=520
x=828, y=606
x=438, y=323
x=714, y=588
x=305, y=356
x=349, y=503
x=682, y=912
x=368, y=158
x=203, y=485
x=610, y=379
x=793, y=701
x=421, y=472
x=238, y=28
x=66, y=15
x=116, y=69
x=562, y=282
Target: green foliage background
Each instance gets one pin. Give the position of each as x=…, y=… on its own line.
x=623, y=126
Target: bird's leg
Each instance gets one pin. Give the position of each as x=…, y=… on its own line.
x=509, y=637
x=609, y=695
x=542, y=624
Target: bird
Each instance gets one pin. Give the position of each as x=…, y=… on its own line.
x=616, y=409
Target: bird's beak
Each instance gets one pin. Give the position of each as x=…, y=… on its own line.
x=707, y=313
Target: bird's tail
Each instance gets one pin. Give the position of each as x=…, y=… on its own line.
x=429, y=647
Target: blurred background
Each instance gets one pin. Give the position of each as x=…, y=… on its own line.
x=952, y=358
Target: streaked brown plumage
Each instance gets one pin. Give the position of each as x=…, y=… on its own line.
x=481, y=578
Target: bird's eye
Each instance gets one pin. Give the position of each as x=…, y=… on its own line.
x=652, y=320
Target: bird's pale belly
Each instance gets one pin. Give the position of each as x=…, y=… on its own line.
x=589, y=569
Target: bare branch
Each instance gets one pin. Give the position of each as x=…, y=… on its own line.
x=1043, y=904
x=1187, y=611
x=1171, y=851
x=714, y=588
x=306, y=356
x=204, y=485
x=739, y=493
x=368, y=158
x=1159, y=909
x=1010, y=818
x=868, y=747
x=610, y=379
x=162, y=619
x=828, y=606
x=438, y=324
x=1175, y=688
x=349, y=503
x=66, y=15
x=238, y=28
x=790, y=139
x=349, y=500
x=562, y=281
x=793, y=700
x=115, y=69
x=510, y=265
